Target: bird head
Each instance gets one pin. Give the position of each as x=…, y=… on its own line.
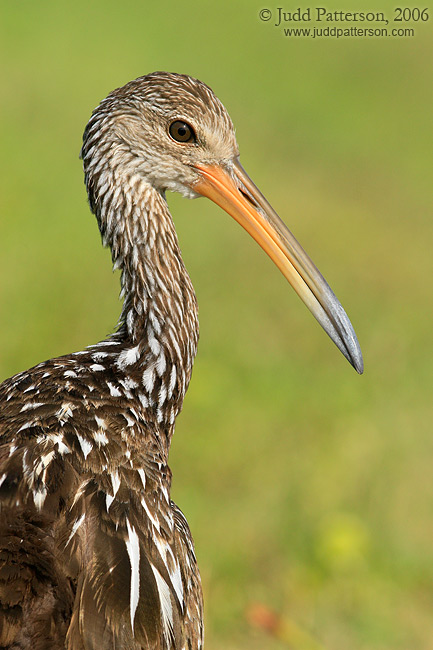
x=171, y=131
x=163, y=126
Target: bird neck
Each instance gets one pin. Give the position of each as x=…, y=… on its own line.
x=158, y=328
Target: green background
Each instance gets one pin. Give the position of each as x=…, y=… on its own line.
x=309, y=489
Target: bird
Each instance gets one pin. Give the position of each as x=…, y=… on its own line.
x=94, y=554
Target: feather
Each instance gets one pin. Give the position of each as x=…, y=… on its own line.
x=133, y=548
x=166, y=606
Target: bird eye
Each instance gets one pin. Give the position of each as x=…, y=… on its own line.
x=181, y=132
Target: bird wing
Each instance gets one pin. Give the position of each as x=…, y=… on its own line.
x=36, y=594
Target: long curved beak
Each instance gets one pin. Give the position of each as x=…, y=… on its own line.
x=235, y=193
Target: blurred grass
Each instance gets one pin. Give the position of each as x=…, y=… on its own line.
x=308, y=489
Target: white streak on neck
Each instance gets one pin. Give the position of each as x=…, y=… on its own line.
x=128, y=357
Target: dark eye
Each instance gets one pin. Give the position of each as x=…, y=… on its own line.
x=181, y=132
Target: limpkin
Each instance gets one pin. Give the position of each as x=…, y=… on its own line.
x=94, y=555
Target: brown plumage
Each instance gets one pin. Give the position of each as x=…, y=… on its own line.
x=93, y=552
